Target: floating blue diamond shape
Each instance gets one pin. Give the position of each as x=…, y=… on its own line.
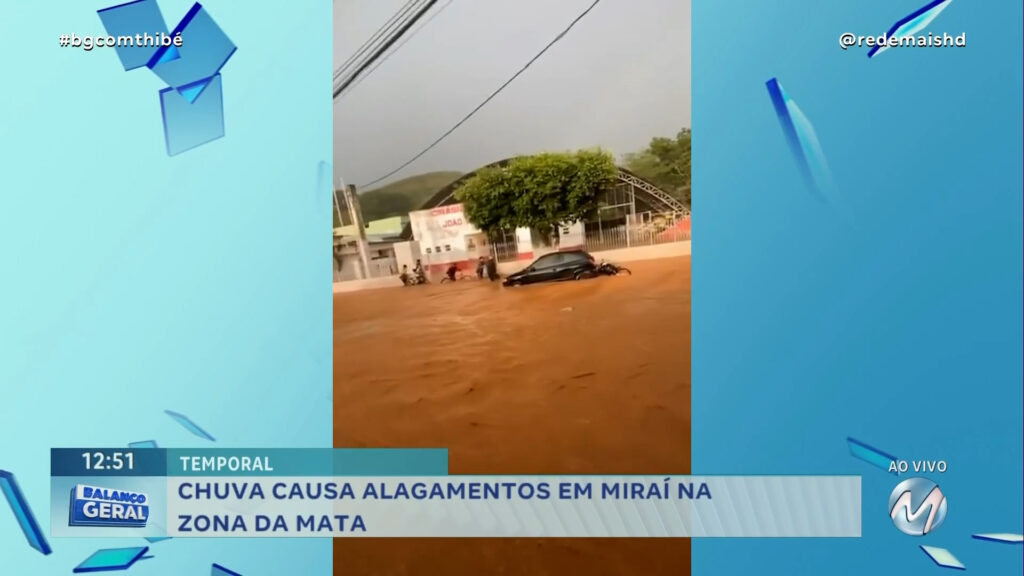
x=803, y=141
x=324, y=175
x=111, y=559
x=943, y=557
x=131, y=19
x=192, y=123
x=913, y=24
x=218, y=570
x=23, y=513
x=170, y=55
x=143, y=444
x=204, y=50
x=155, y=539
x=1003, y=538
x=871, y=455
x=189, y=425
x=191, y=92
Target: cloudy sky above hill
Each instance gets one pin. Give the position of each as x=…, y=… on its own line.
x=620, y=77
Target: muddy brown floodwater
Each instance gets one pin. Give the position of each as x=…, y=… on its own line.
x=588, y=377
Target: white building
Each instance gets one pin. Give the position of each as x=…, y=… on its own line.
x=347, y=263
x=444, y=236
x=381, y=236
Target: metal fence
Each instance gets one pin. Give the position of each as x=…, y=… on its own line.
x=626, y=236
x=635, y=230
x=504, y=250
x=504, y=247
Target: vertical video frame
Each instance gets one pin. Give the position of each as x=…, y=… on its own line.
x=511, y=256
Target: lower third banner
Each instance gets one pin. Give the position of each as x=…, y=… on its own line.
x=464, y=506
x=396, y=493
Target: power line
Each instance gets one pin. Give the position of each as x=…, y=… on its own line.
x=489, y=98
x=396, y=48
x=382, y=35
x=379, y=37
x=387, y=45
x=373, y=39
x=376, y=37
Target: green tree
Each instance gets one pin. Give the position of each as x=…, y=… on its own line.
x=666, y=164
x=539, y=191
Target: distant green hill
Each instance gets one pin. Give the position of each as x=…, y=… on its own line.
x=401, y=197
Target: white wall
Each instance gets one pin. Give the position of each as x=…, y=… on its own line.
x=371, y=284
x=669, y=250
x=657, y=251
x=524, y=241
x=441, y=233
x=447, y=228
x=351, y=268
x=406, y=254
x=571, y=236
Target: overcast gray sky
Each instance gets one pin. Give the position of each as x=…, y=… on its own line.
x=620, y=77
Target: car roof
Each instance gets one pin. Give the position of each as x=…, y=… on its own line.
x=573, y=251
x=583, y=253
x=563, y=253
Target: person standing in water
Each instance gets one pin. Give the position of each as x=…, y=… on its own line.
x=492, y=269
x=420, y=273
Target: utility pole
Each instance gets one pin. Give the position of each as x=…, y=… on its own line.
x=356, y=212
x=337, y=209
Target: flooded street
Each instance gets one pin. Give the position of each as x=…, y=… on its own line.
x=588, y=377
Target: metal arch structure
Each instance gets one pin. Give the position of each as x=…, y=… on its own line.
x=651, y=195
x=660, y=197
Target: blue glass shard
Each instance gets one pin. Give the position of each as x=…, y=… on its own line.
x=912, y=24
x=131, y=19
x=324, y=175
x=154, y=539
x=203, y=52
x=803, y=142
x=943, y=557
x=188, y=125
x=170, y=54
x=23, y=513
x=189, y=425
x=192, y=91
x=143, y=444
x=871, y=455
x=147, y=557
x=1003, y=538
x=219, y=570
x=111, y=559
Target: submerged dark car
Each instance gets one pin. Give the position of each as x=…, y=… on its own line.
x=568, y=265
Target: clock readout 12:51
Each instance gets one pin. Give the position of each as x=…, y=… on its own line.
x=111, y=461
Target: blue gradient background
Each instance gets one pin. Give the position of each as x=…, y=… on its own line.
x=893, y=317
x=134, y=282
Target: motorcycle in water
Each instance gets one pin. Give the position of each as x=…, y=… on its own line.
x=609, y=269
x=413, y=279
